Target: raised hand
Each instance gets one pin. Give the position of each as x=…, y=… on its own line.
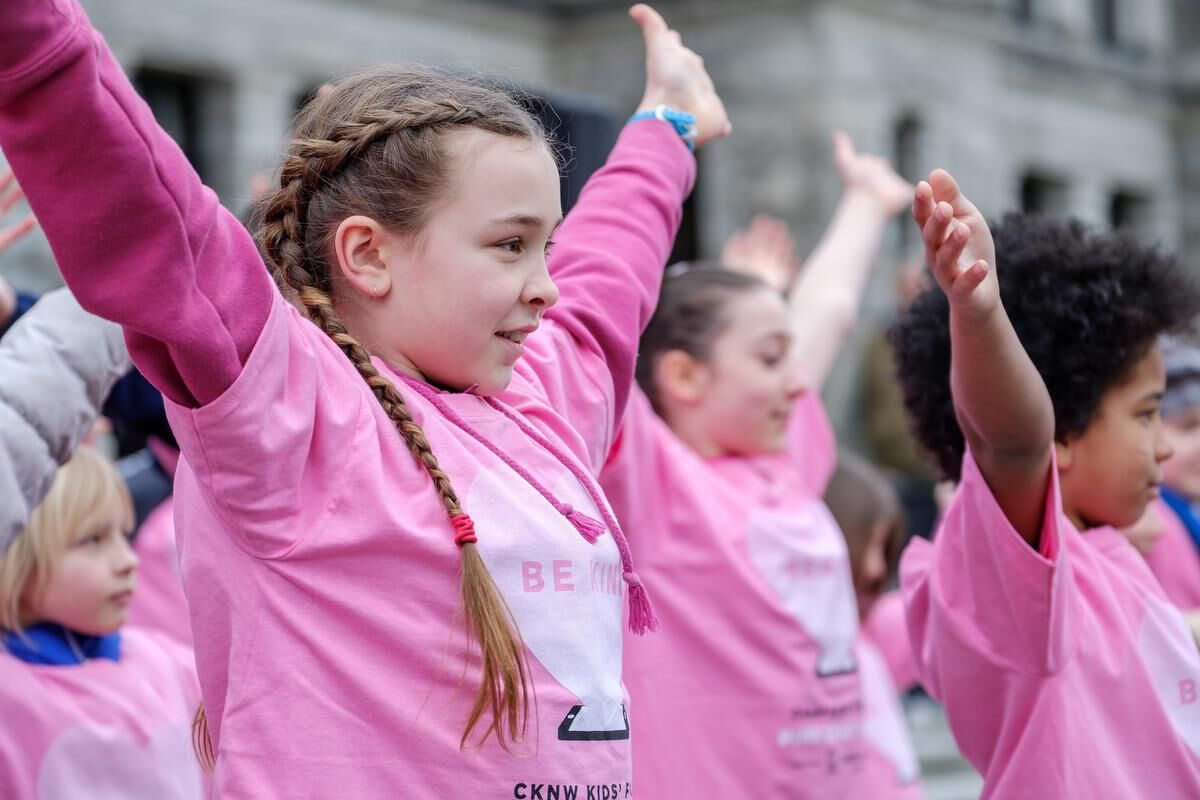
x=766, y=250
x=675, y=76
x=958, y=245
x=10, y=193
x=863, y=172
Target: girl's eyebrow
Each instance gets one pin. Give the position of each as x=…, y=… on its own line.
x=526, y=221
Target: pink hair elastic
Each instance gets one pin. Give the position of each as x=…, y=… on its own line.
x=641, y=612
x=464, y=529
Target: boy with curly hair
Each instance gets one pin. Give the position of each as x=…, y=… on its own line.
x=1033, y=374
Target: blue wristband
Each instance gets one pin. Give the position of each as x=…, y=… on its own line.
x=683, y=122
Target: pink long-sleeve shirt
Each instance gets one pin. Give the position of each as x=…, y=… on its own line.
x=757, y=684
x=1068, y=676
x=317, y=560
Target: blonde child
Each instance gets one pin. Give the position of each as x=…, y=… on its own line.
x=1174, y=556
x=88, y=710
x=401, y=572
x=1032, y=372
x=751, y=688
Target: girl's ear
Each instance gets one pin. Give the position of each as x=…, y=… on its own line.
x=360, y=245
x=681, y=378
x=1064, y=454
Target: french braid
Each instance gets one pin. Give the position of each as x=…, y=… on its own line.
x=374, y=145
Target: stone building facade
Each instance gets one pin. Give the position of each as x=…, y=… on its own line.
x=1090, y=107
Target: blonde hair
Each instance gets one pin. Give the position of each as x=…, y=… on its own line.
x=87, y=492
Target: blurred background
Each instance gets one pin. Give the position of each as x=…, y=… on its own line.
x=1082, y=107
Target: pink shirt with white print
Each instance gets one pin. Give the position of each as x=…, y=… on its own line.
x=753, y=686
x=1065, y=673
x=103, y=730
x=318, y=562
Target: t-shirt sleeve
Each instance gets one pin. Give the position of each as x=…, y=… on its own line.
x=265, y=454
x=608, y=265
x=885, y=627
x=981, y=595
x=637, y=467
x=811, y=443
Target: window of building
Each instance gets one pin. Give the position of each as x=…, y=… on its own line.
x=906, y=145
x=1042, y=193
x=1129, y=209
x=1106, y=12
x=197, y=112
x=585, y=132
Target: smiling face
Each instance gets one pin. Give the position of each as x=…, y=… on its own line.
x=1113, y=469
x=750, y=380
x=467, y=289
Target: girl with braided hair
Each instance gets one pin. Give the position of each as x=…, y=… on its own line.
x=334, y=457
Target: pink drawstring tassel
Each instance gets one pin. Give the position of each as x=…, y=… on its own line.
x=588, y=528
x=641, y=613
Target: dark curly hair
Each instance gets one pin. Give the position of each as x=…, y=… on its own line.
x=1086, y=304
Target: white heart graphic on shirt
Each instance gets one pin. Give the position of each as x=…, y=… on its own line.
x=802, y=556
x=103, y=763
x=565, y=594
x=1170, y=656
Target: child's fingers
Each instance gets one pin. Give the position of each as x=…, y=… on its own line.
x=9, y=199
x=922, y=204
x=937, y=227
x=12, y=233
x=650, y=21
x=945, y=257
x=969, y=280
x=843, y=150
x=6, y=178
x=946, y=190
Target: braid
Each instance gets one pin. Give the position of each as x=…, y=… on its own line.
x=320, y=311
x=373, y=145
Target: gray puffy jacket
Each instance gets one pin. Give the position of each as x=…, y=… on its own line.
x=57, y=364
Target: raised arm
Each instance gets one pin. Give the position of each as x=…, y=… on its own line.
x=58, y=364
x=612, y=248
x=1000, y=400
x=825, y=298
x=140, y=240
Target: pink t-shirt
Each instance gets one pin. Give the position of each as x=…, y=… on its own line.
x=1174, y=560
x=159, y=602
x=102, y=729
x=752, y=686
x=1065, y=678
x=318, y=563
x=887, y=632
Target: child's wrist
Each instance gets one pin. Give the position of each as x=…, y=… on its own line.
x=683, y=122
x=867, y=201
